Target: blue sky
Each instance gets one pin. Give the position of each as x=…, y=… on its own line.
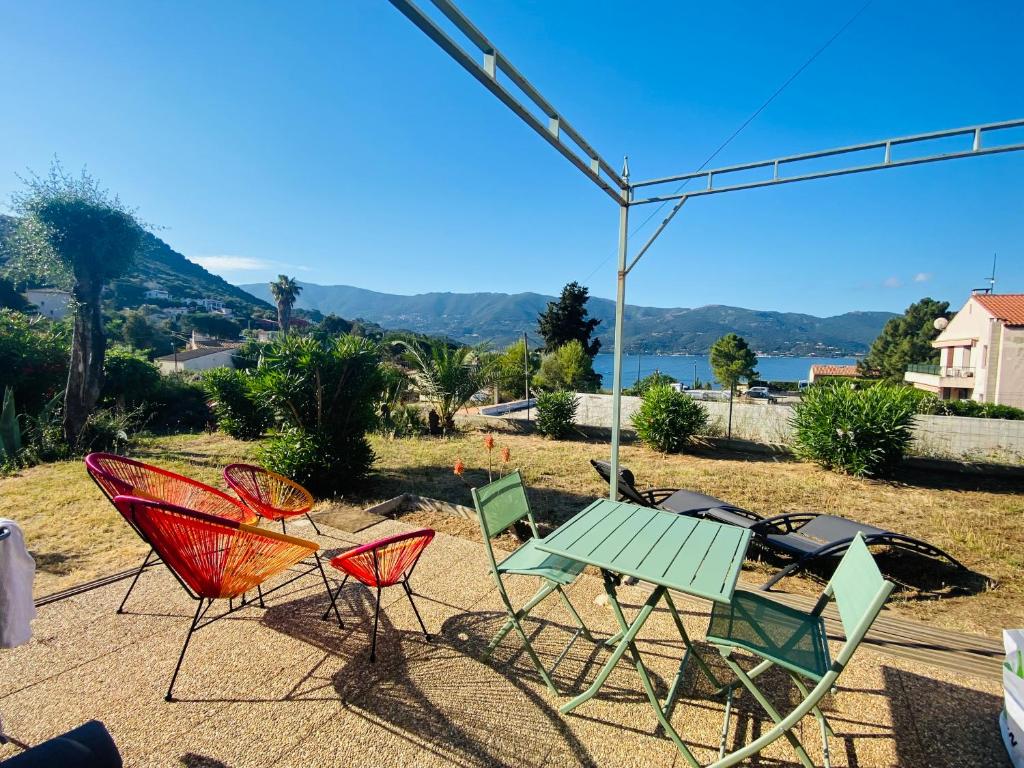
x=335, y=142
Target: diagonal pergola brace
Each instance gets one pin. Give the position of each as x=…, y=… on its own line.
x=977, y=135
x=487, y=70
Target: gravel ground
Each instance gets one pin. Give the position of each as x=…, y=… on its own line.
x=280, y=687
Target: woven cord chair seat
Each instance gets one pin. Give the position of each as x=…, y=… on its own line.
x=269, y=494
x=121, y=476
x=384, y=562
x=216, y=558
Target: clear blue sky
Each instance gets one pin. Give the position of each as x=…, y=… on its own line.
x=333, y=141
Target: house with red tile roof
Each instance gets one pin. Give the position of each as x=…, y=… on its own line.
x=981, y=353
x=819, y=372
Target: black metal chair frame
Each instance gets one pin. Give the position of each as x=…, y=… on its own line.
x=778, y=525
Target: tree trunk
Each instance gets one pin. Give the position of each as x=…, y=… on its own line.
x=732, y=393
x=85, y=375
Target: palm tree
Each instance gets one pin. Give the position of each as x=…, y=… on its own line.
x=285, y=291
x=447, y=376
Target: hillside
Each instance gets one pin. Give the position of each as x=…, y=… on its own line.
x=160, y=265
x=499, y=318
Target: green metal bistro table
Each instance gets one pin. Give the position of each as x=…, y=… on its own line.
x=693, y=556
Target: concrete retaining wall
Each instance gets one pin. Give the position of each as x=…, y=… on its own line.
x=953, y=437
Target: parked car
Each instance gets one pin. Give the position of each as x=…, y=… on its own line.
x=760, y=393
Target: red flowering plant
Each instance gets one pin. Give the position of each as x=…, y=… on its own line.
x=506, y=458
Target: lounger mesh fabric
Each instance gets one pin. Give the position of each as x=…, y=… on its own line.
x=271, y=495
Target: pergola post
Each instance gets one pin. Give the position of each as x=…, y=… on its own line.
x=620, y=311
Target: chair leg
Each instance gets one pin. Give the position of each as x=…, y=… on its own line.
x=284, y=530
x=145, y=564
x=334, y=599
x=259, y=591
x=408, y=592
x=569, y=606
x=327, y=586
x=376, y=617
x=794, y=742
x=195, y=620
x=313, y=523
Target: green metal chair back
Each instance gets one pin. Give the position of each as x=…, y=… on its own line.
x=859, y=591
x=502, y=503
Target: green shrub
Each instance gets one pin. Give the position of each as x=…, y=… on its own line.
x=396, y=417
x=129, y=379
x=568, y=367
x=177, y=404
x=861, y=432
x=33, y=359
x=971, y=408
x=318, y=460
x=667, y=420
x=556, y=413
x=238, y=411
x=323, y=394
x=655, y=379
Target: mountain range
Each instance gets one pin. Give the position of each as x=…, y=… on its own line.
x=499, y=318
x=159, y=265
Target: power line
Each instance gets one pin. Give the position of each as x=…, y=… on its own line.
x=744, y=124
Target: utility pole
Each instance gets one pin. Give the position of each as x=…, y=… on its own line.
x=526, y=374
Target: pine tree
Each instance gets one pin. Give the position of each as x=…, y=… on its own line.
x=732, y=360
x=906, y=340
x=566, y=320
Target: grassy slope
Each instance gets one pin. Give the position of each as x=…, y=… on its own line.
x=76, y=535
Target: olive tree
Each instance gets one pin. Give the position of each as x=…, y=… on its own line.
x=75, y=234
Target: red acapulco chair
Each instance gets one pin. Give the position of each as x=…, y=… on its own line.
x=214, y=558
x=120, y=476
x=269, y=494
x=381, y=564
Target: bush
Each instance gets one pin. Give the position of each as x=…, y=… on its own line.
x=556, y=413
x=568, y=367
x=861, y=432
x=324, y=395
x=655, y=379
x=177, y=404
x=667, y=420
x=321, y=462
x=237, y=410
x=971, y=408
x=33, y=359
x=129, y=379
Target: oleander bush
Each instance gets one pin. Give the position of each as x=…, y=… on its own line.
x=668, y=420
x=860, y=432
x=556, y=413
x=238, y=412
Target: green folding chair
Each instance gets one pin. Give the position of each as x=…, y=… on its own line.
x=498, y=506
x=796, y=641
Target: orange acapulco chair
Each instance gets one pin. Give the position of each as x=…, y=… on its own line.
x=269, y=494
x=117, y=475
x=215, y=558
x=383, y=563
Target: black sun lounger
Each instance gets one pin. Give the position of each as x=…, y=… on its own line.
x=806, y=537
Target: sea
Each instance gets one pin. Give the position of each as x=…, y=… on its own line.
x=684, y=367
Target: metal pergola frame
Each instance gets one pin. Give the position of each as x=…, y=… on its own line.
x=493, y=68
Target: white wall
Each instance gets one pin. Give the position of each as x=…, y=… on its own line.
x=215, y=360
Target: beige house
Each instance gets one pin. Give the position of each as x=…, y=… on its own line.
x=981, y=353
x=201, y=359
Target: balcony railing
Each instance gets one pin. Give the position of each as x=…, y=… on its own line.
x=944, y=371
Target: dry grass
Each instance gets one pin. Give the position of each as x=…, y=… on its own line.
x=76, y=535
